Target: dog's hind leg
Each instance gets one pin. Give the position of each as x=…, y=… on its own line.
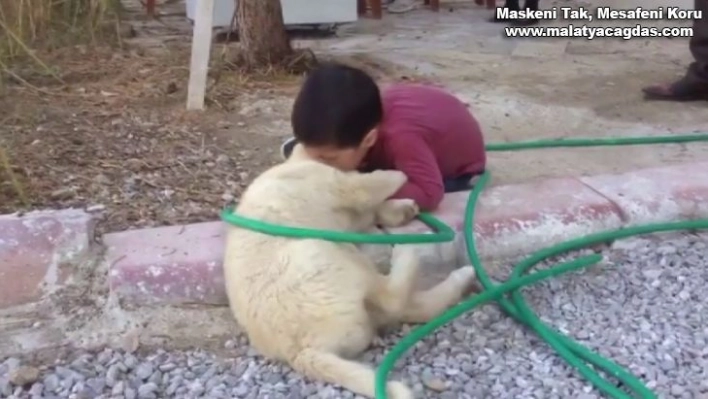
x=428, y=304
x=393, y=293
x=354, y=376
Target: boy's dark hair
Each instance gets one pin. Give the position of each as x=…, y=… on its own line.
x=337, y=106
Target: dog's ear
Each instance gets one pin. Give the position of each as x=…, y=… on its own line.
x=367, y=191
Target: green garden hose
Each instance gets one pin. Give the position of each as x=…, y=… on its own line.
x=596, y=142
x=587, y=362
x=443, y=232
x=570, y=351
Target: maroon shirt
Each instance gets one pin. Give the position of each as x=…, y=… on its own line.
x=428, y=134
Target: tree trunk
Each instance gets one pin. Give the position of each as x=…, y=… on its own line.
x=262, y=33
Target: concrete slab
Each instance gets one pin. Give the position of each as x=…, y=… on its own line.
x=40, y=251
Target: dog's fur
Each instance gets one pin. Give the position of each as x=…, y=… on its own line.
x=316, y=304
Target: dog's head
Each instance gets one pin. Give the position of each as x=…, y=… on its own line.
x=309, y=193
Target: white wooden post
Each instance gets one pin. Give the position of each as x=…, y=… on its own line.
x=201, y=52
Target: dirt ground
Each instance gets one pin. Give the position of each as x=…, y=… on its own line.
x=114, y=136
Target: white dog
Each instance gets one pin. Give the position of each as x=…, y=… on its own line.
x=315, y=304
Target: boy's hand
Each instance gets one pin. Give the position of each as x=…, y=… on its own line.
x=396, y=212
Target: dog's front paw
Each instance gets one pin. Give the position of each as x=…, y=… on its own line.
x=464, y=275
x=398, y=390
x=396, y=212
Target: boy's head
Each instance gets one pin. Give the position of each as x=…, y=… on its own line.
x=336, y=114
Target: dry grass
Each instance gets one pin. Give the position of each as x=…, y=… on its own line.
x=117, y=137
x=14, y=182
x=30, y=27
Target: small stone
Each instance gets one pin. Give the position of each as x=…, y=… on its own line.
x=156, y=377
x=37, y=389
x=652, y=274
x=24, y=375
x=521, y=382
x=105, y=357
x=147, y=390
x=167, y=367
x=118, y=388
x=144, y=371
x=131, y=341
x=84, y=392
x=11, y=364
x=63, y=193
x=5, y=387
x=196, y=388
x=112, y=375
x=51, y=382
x=131, y=362
x=97, y=384
x=677, y=390
x=435, y=384
x=95, y=208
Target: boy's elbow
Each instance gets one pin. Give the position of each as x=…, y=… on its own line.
x=427, y=198
x=430, y=200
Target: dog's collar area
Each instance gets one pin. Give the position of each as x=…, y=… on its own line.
x=441, y=231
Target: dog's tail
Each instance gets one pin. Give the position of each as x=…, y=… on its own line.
x=356, y=377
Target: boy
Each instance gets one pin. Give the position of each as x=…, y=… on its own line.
x=342, y=119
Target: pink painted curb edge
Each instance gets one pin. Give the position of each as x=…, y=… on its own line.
x=182, y=264
x=175, y=264
x=40, y=251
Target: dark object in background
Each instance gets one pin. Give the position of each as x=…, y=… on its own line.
x=513, y=5
x=294, y=32
x=694, y=85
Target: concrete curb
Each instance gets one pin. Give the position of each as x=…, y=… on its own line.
x=40, y=252
x=180, y=265
x=519, y=219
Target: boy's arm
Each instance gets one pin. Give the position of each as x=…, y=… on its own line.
x=413, y=157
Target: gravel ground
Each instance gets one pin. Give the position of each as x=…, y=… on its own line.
x=642, y=307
